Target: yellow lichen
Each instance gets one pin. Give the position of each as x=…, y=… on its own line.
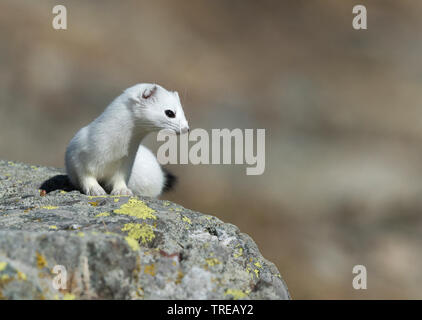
x=93, y=203
x=150, y=270
x=21, y=276
x=186, y=219
x=256, y=272
x=80, y=234
x=258, y=264
x=137, y=231
x=140, y=292
x=41, y=261
x=50, y=207
x=3, y=265
x=116, y=200
x=69, y=296
x=132, y=243
x=212, y=261
x=63, y=192
x=235, y=293
x=5, y=277
x=180, y=276
x=102, y=214
x=136, y=208
x=53, y=227
x=239, y=253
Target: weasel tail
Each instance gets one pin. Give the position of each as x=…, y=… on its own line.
x=147, y=177
x=170, y=181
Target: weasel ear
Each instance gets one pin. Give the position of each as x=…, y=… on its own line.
x=176, y=94
x=149, y=92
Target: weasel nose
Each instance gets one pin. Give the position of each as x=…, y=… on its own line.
x=185, y=130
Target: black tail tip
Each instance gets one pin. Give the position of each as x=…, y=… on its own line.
x=170, y=180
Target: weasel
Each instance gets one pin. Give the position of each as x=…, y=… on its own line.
x=107, y=154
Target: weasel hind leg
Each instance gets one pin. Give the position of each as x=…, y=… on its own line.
x=147, y=177
x=119, y=186
x=122, y=192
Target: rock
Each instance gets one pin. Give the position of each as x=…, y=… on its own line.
x=118, y=247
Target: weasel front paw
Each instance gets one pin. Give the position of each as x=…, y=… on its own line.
x=122, y=192
x=95, y=191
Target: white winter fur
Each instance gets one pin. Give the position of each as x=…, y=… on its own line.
x=147, y=178
x=105, y=153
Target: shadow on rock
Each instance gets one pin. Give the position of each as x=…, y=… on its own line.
x=59, y=182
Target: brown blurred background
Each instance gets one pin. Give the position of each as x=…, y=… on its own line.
x=341, y=109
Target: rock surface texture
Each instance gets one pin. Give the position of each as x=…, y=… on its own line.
x=118, y=247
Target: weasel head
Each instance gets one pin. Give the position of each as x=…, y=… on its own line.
x=155, y=108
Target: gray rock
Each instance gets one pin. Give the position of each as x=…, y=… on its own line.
x=118, y=247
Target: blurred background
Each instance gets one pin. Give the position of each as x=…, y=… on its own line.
x=341, y=109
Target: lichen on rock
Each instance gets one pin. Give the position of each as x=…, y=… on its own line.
x=119, y=248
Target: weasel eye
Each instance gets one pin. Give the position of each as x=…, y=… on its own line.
x=170, y=113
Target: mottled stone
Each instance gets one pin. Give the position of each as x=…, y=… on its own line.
x=119, y=247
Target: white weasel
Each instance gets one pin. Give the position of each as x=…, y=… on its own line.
x=107, y=153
